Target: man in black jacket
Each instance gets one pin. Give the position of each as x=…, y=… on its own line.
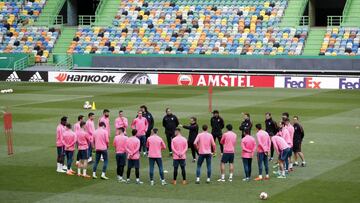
x=193, y=132
x=297, y=140
x=170, y=122
x=246, y=125
x=217, y=124
x=271, y=129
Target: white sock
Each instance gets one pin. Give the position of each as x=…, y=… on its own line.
x=137, y=179
x=208, y=179
x=58, y=166
x=84, y=171
x=222, y=176
x=231, y=175
x=283, y=173
x=267, y=176
x=94, y=173
x=290, y=165
x=102, y=174
x=79, y=171
x=197, y=178
x=260, y=176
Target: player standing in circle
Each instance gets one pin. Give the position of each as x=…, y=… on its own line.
x=217, y=124
x=60, y=146
x=263, y=150
x=271, y=128
x=228, y=140
x=204, y=142
x=246, y=125
x=298, y=138
x=155, y=144
x=140, y=124
x=193, y=132
x=120, y=150
x=133, y=155
x=179, y=146
x=101, y=140
x=170, y=122
x=121, y=122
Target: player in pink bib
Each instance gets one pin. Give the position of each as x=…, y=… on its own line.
x=228, y=140
x=179, y=146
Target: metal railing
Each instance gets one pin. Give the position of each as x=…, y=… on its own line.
x=86, y=19
x=334, y=20
x=343, y=21
x=302, y=20
x=51, y=20
x=21, y=63
x=65, y=63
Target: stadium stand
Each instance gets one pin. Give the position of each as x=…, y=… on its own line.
x=194, y=27
x=341, y=41
x=16, y=34
x=36, y=40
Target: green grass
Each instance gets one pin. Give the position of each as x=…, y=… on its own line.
x=331, y=119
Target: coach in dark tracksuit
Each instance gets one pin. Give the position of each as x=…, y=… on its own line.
x=271, y=129
x=217, y=124
x=297, y=140
x=246, y=125
x=193, y=132
x=170, y=122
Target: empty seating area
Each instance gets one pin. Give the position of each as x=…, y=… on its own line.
x=248, y=27
x=343, y=41
x=36, y=40
x=270, y=41
x=16, y=38
x=18, y=13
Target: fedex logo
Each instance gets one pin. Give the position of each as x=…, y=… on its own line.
x=305, y=82
x=349, y=83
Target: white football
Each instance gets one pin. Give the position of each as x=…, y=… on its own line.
x=263, y=196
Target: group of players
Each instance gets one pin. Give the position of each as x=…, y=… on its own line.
x=284, y=138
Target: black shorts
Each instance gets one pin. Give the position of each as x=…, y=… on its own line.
x=227, y=158
x=297, y=147
x=178, y=162
x=83, y=154
x=121, y=159
x=133, y=163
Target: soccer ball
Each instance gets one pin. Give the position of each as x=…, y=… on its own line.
x=87, y=105
x=263, y=196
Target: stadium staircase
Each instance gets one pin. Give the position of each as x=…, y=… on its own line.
x=49, y=13
x=314, y=41
x=351, y=13
x=293, y=13
x=106, y=12
x=62, y=44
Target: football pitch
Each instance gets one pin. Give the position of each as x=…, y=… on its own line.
x=331, y=119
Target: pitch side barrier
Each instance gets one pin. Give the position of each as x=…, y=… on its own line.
x=319, y=65
x=186, y=79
